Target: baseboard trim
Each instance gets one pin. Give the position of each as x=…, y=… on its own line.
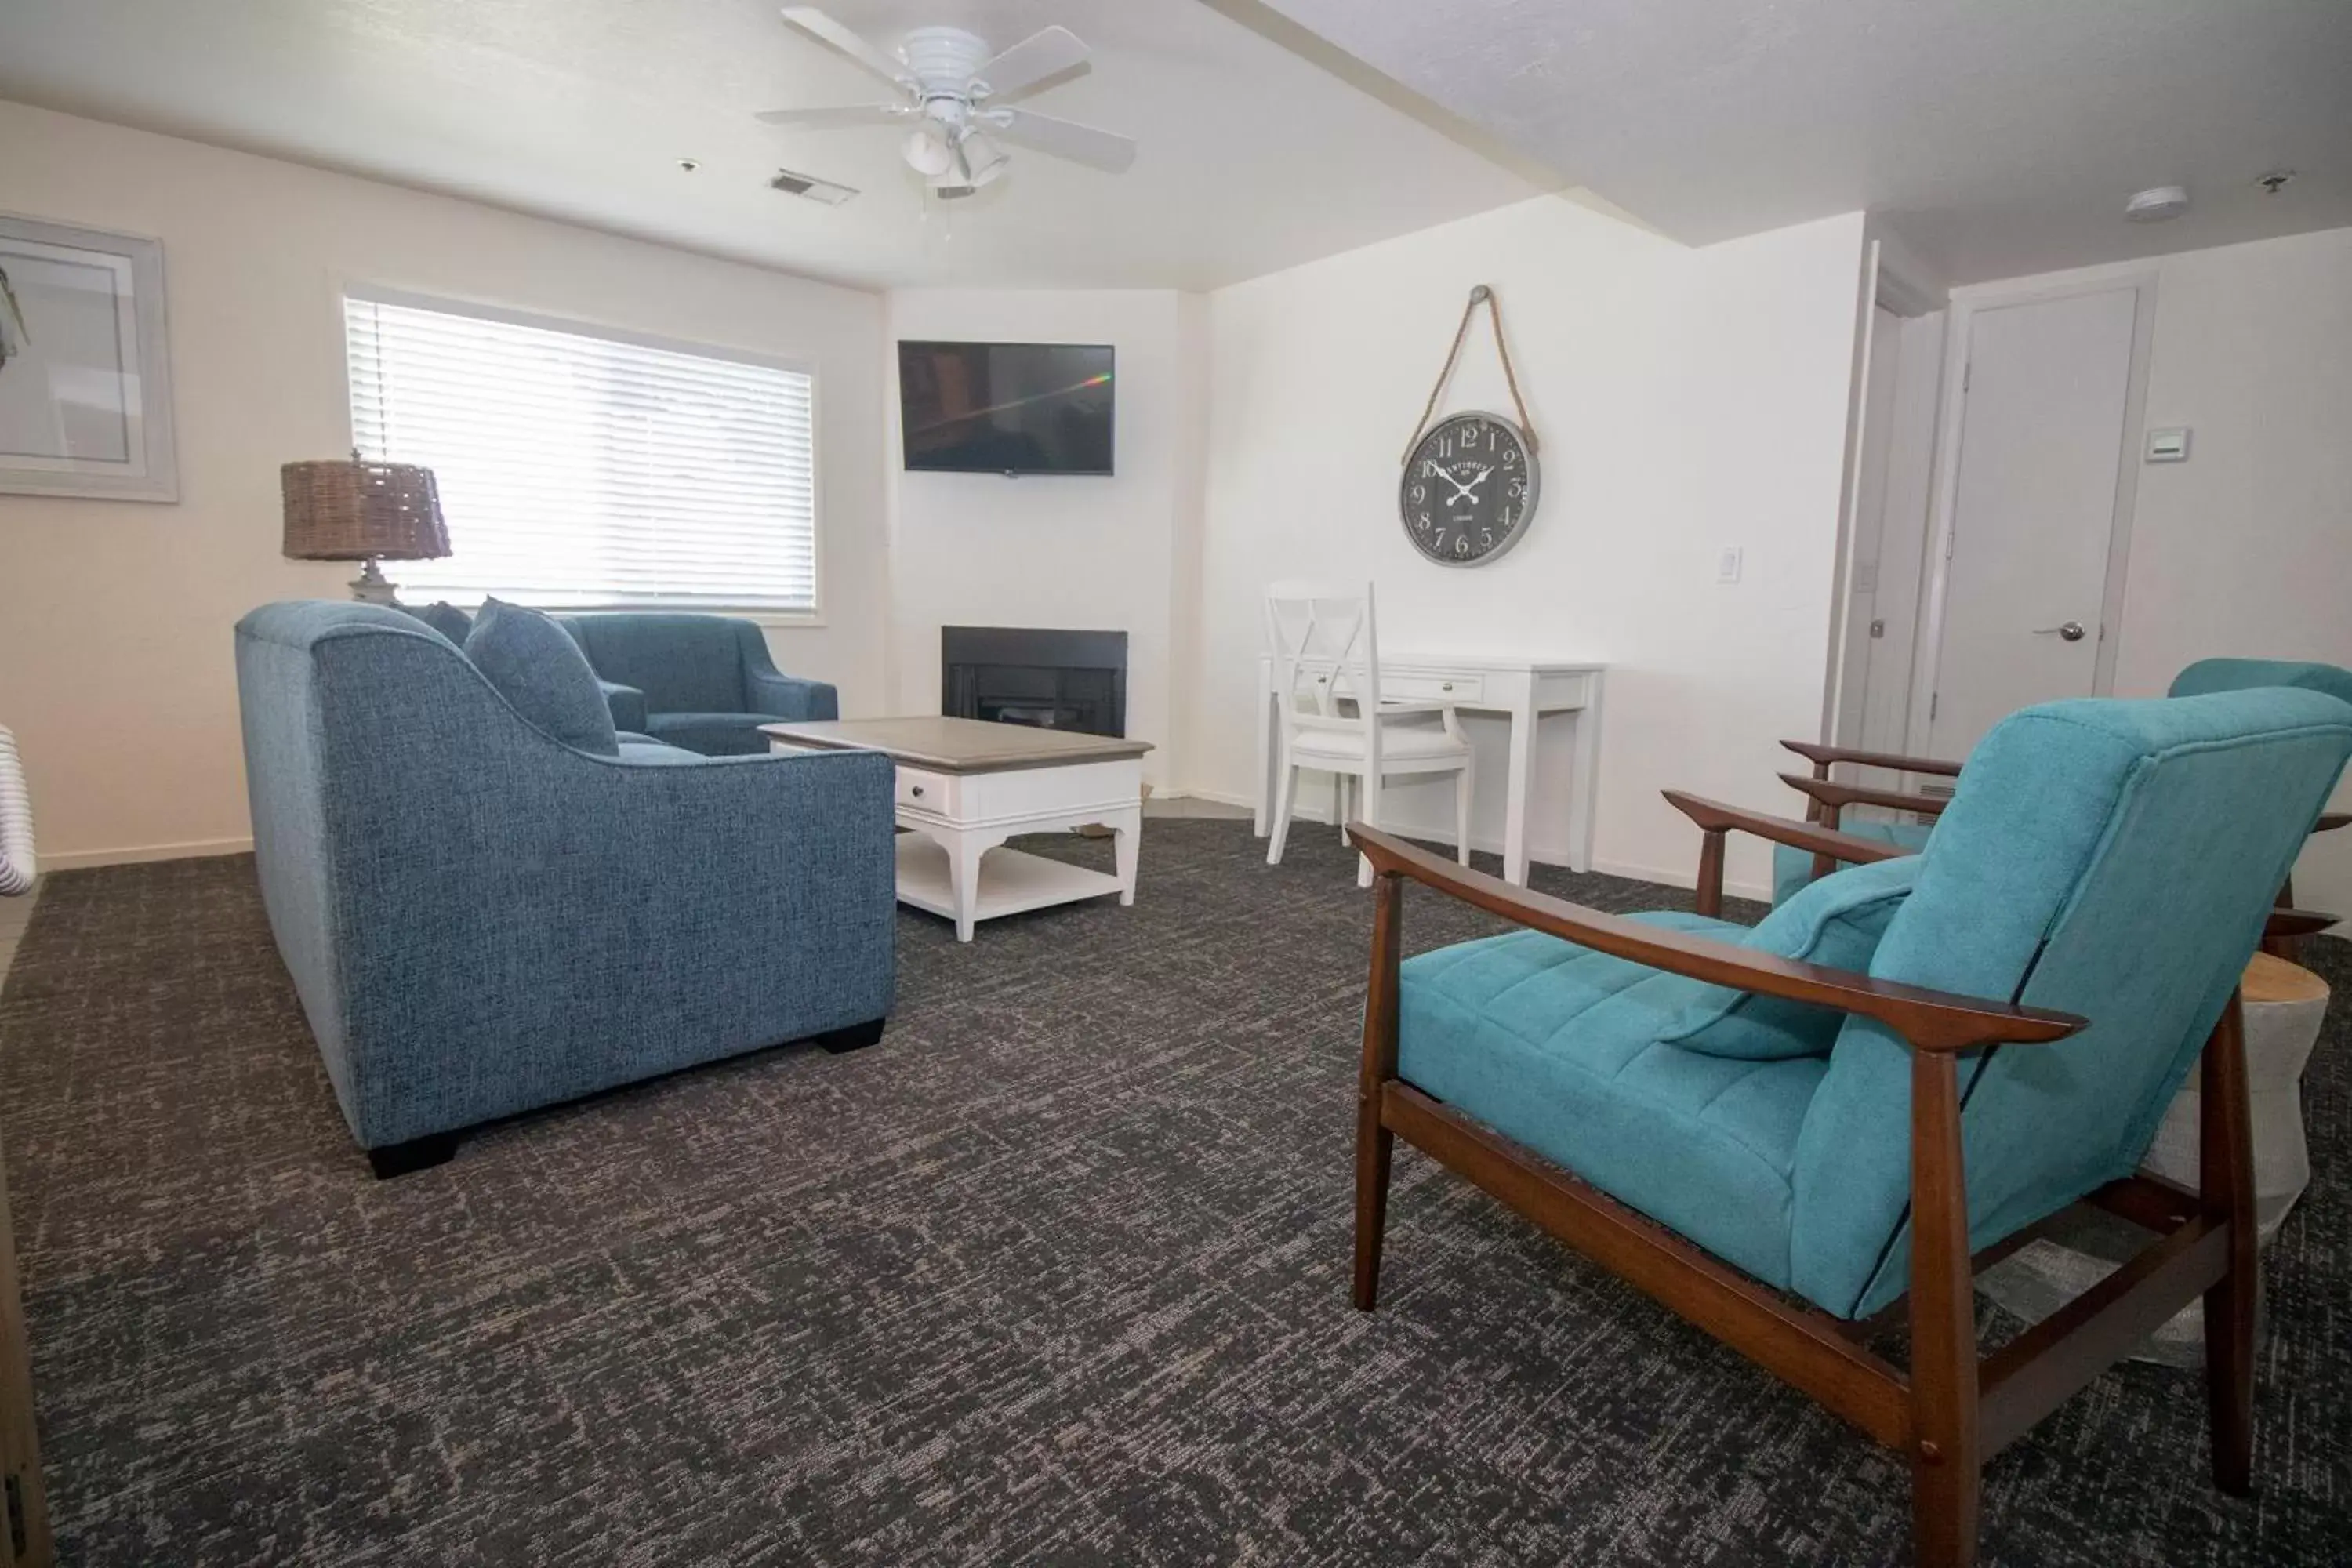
x=194, y=848
x=1679, y=879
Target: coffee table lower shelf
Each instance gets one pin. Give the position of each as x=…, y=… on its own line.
x=1011, y=881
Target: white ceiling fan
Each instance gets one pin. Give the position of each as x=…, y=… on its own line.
x=952, y=92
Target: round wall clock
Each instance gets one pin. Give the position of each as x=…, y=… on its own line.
x=1468, y=490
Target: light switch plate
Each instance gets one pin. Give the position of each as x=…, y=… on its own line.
x=2169, y=444
x=1726, y=564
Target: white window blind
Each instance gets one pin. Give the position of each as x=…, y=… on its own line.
x=577, y=470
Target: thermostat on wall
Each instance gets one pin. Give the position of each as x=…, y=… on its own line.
x=2168, y=445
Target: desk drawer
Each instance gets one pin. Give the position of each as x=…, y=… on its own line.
x=1412, y=686
x=924, y=791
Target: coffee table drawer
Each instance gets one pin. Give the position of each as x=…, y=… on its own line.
x=922, y=789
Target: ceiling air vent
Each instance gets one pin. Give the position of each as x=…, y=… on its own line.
x=809, y=186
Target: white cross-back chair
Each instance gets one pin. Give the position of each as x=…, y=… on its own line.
x=16, y=865
x=1327, y=673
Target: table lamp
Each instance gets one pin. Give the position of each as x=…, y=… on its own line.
x=359, y=511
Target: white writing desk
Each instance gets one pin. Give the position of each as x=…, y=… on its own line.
x=1524, y=691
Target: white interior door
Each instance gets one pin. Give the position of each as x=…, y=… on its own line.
x=1869, y=522
x=2034, y=512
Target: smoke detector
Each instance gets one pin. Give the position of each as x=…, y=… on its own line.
x=2156, y=203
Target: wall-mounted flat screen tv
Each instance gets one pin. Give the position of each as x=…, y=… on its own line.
x=1006, y=408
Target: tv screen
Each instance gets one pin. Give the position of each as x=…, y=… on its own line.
x=1006, y=408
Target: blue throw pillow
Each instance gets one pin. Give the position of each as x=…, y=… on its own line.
x=446, y=618
x=536, y=667
x=1835, y=921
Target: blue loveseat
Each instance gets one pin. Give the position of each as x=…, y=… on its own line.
x=703, y=682
x=480, y=920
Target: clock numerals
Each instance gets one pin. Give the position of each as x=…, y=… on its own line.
x=1466, y=492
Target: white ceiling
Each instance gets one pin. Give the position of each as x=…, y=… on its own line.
x=2000, y=137
x=1253, y=159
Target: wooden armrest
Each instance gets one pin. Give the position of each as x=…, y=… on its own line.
x=1825, y=755
x=1714, y=816
x=1836, y=797
x=1928, y=1020
x=2329, y=821
x=2298, y=922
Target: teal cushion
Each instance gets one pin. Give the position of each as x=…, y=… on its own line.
x=1835, y=921
x=712, y=734
x=1556, y=1046
x=542, y=674
x=1793, y=868
x=2210, y=674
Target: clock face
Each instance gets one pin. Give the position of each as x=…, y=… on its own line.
x=1469, y=490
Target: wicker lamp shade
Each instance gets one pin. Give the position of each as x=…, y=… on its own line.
x=356, y=510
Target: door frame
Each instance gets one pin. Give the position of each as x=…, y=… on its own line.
x=1943, y=497
x=1893, y=280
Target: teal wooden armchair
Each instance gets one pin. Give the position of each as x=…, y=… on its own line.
x=1827, y=797
x=1789, y=1133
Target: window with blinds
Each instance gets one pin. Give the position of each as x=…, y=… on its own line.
x=578, y=470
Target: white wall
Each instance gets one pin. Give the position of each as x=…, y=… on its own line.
x=1685, y=399
x=2246, y=548
x=115, y=658
x=1073, y=551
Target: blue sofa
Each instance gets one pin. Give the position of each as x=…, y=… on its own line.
x=703, y=682
x=480, y=920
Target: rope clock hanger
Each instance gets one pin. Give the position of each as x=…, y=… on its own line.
x=1470, y=480
x=16, y=866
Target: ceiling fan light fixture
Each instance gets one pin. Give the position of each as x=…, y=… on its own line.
x=928, y=153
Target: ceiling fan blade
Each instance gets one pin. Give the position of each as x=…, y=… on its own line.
x=1031, y=61
x=827, y=31
x=1105, y=150
x=844, y=114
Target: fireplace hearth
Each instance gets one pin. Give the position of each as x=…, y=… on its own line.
x=1046, y=678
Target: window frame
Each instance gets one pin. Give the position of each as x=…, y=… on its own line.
x=350, y=288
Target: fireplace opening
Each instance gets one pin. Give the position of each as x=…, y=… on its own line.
x=1046, y=678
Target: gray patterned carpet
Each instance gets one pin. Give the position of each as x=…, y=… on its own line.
x=1055, y=1274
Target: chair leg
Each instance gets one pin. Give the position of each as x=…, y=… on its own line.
x=1374, y=1142
x=1374, y=1146
x=2226, y=1191
x=1947, y=1460
x=1369, y=794
x=1462, y=814
x=1339, y=783
x=1285, y=796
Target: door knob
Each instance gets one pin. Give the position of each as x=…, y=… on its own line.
x=2071, y=632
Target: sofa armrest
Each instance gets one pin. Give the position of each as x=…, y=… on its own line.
x=788, y=697
x=627, y=703
x=779, y=695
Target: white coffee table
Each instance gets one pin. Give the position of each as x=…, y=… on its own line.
x=964, y=788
